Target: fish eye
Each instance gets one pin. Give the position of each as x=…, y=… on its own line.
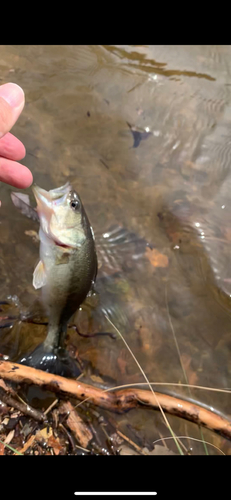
x=74, y=204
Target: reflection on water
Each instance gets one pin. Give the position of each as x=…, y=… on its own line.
x=144, y=135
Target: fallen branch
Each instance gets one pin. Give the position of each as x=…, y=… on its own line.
x=119, y=400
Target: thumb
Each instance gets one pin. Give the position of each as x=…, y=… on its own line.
x=12, y=101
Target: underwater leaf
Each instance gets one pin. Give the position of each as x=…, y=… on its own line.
x=156, y=258
x=138, y=135
x=44, y=433
x=55, y=444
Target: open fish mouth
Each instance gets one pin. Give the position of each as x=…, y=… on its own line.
x=59, y=192
x=46, y=203
x=45, y=198
x=53, y=210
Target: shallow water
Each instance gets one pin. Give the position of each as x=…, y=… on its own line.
x=170, y=301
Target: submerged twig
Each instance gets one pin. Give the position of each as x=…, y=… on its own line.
x=89, y=335
x=125, y=438
x=118, y=400
x=24, y=408
x=51, y=406
x=68, y=435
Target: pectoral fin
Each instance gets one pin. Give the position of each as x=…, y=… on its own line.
x=39, y=276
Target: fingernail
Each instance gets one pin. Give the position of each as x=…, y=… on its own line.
x=13, y=94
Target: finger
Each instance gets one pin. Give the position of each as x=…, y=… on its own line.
x=12, y=101
x=11, y=147
x=15, y=174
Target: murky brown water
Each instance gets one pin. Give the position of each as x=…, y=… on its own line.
x=171, y=303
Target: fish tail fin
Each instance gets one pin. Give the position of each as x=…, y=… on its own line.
x=55, y=360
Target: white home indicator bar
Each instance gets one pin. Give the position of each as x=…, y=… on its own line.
x=116, y=493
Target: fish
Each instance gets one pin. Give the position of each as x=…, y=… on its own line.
x=66, y=272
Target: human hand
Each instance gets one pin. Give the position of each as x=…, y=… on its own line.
x=12, y=101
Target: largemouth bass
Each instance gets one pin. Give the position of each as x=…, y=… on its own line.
x=66, y=272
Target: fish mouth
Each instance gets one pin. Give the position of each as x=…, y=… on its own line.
x=44, y=206
x=46, y=197
x=59, y=192
x=41, y=195
x=46, y=202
